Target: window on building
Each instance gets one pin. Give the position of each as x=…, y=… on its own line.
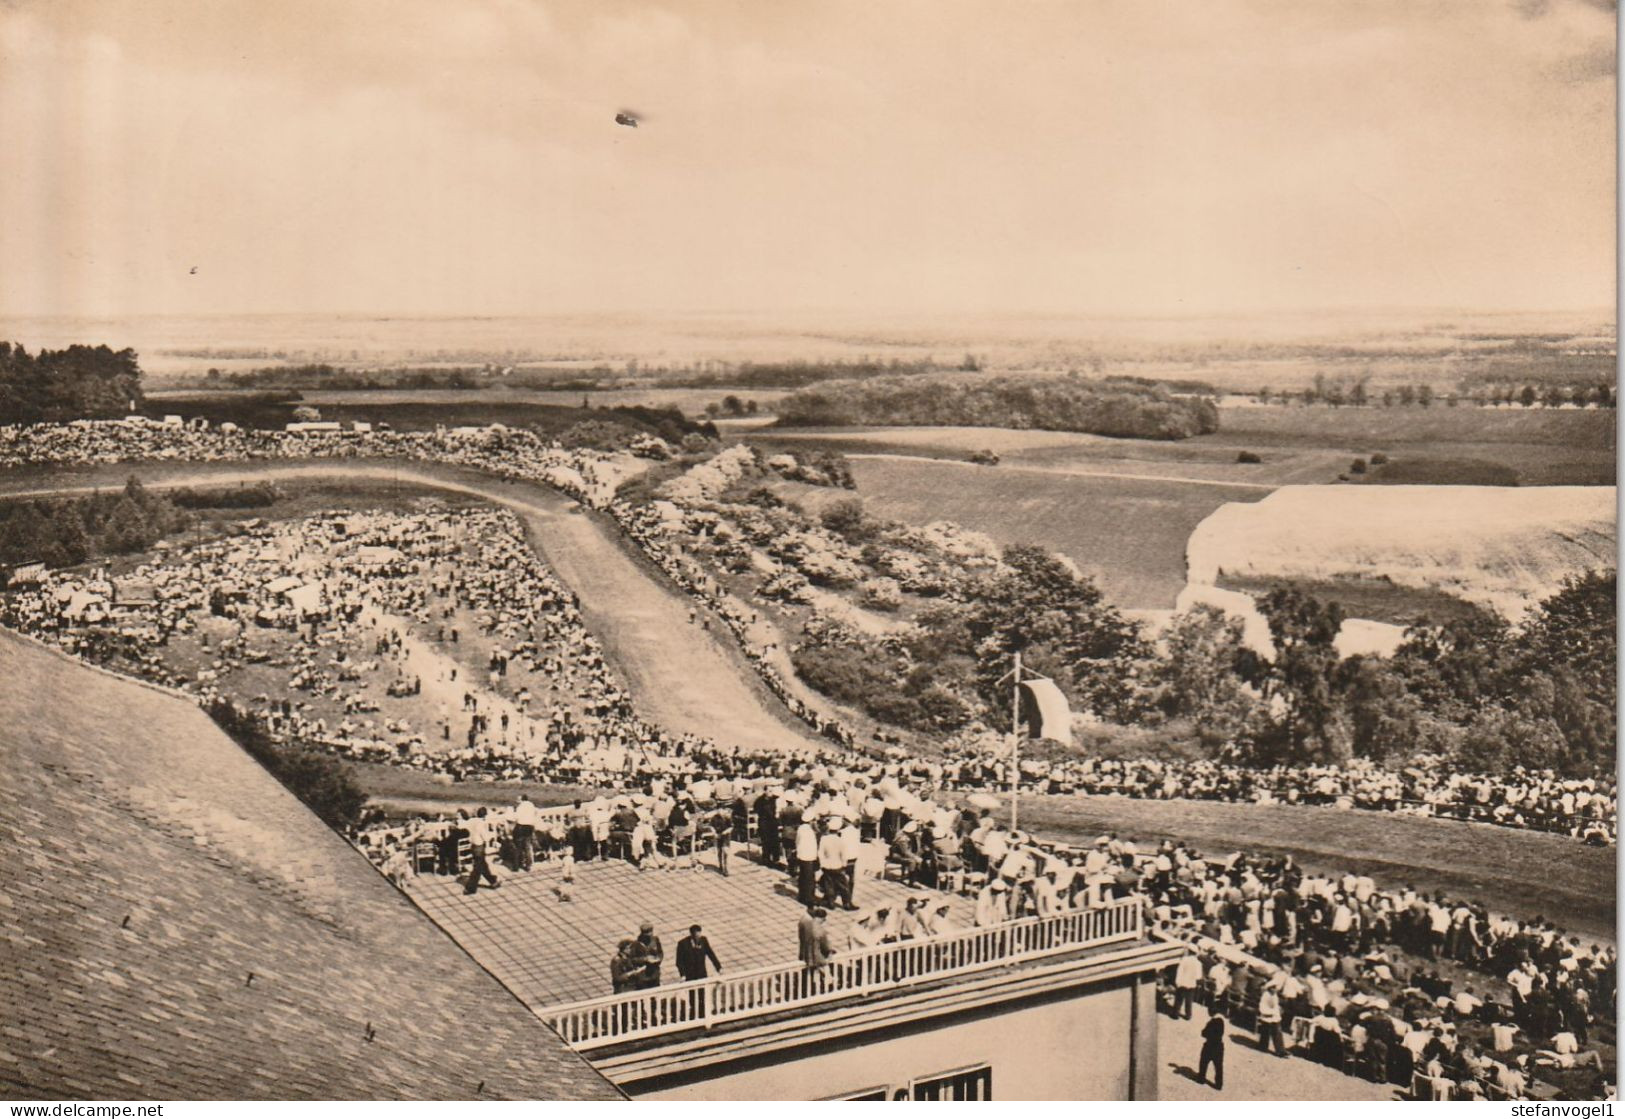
x=881, y=1093
x=961, y=1084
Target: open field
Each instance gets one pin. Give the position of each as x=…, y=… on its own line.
x=1298, y=444
x=1534, y=447
x=1517, y=872
x=1502, y=548
x=1128, y=533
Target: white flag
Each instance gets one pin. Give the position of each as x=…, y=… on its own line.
x=1044, y=711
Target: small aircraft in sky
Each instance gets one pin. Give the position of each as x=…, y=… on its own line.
x=630, y=120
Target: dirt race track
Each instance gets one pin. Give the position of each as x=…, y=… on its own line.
x=685, y=679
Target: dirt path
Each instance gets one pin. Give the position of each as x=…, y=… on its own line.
x=681, y=677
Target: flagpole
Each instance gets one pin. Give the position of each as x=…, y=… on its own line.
x=1015, y=739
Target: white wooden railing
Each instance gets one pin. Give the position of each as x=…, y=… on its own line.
x=765, y=990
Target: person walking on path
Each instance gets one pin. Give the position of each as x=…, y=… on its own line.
x=1212, y=1052
x=479, y=834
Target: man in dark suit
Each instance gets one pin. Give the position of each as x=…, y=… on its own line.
x=767, y=827
x=692, y=952
x=813, y=938
x=1213, y=1051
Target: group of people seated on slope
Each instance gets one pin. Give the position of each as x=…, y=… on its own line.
x=1584, y=808
x=1388, y=984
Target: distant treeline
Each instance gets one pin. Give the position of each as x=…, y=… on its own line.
x=335, y=378
x=1355, y=391
x=797, y=374
x=1113, y=408
x=80, y=382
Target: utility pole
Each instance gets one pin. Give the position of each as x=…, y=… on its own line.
x=1015, y=739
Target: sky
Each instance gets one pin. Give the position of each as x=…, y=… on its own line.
x=938, y=156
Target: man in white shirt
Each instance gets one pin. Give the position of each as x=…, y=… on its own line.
x=851, y=848
x=524, y=832
x=832, y=863
x=1187, y=975
x=479, y=834
x=806, y=862
x=992, y=904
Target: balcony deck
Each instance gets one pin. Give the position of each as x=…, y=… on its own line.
x=549, y=951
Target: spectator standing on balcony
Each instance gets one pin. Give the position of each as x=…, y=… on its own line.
x=1212, y=1052
x=479, y=834
x=806, y=862
x=766, y=808
x=722, y=830
x=648, y=952
x=1187, y=975
x=624, y=969
x=851, y=848
x=524, y=833
x=831, y=862
x=993, y=904
x=816, y=948
x=692, y=952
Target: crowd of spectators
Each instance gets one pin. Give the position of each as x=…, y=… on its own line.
x=1395, y=985
x=1585, y=808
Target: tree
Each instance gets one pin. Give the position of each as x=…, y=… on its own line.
x=305, y=414
x=80, y=382
x=1063, y=627
x=1198, y=676
x=1528, y=396
x=1575, y=629
x=1457, y=668
x=1383, y=717
x=1302, y=679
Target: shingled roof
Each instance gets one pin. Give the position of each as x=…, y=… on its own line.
x=177, y=926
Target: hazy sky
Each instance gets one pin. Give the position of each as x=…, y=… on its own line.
x=1089, y=156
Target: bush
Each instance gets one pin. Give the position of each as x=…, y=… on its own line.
x=880, y=593
x=1379, y=459
x=1249, y=458
x=322, y=783
x=846, y=519
x=260, y=495
x=1357, y=467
